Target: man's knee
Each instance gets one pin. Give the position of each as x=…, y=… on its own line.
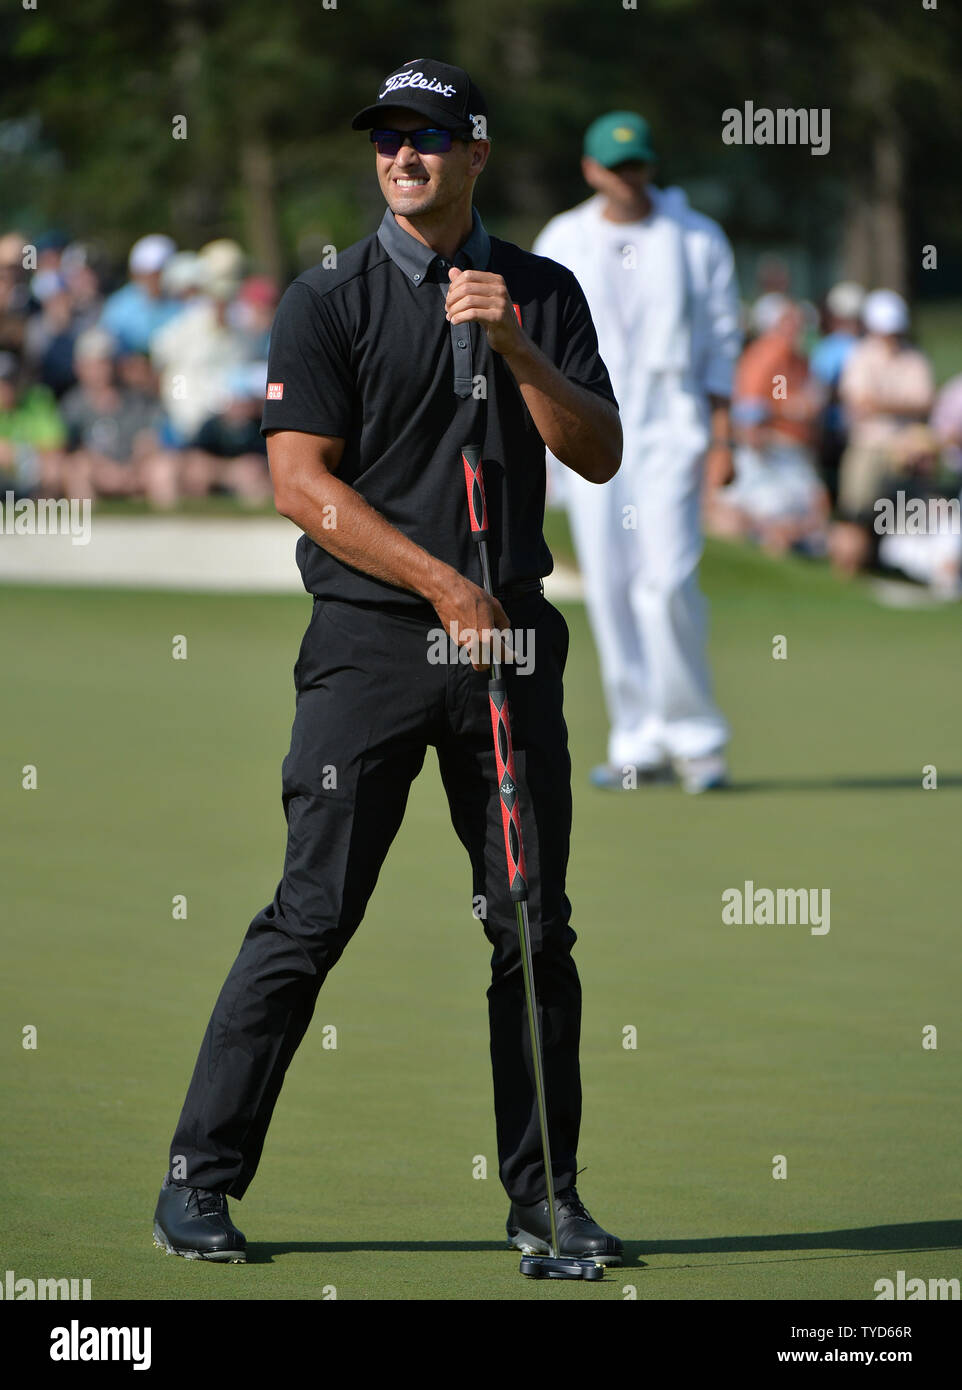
x=551, y=947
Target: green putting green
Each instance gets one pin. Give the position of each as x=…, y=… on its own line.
x=159, y=777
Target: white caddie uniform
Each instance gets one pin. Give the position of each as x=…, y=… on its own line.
x=664, y=300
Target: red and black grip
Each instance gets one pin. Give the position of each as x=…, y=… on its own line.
x=508, y=789
x=474, y=481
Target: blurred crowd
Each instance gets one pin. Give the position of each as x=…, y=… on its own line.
x=839, y=434
x=152, y=388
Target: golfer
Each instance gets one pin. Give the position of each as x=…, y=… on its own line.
x=427, y=335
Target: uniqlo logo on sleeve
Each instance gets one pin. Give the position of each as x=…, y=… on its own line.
x=275, y=390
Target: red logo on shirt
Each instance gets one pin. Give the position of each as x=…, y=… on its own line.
x=517, y=314
x=275, y=390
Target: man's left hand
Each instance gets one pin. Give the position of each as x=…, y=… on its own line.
x=478, y=296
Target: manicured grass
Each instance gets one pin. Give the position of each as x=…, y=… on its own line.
x=937, y=333
x=159, y=777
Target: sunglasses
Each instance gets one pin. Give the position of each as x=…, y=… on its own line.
x=389, y=142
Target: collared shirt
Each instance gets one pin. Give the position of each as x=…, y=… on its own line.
x=424, y=266
x=362, y=351
x=576, y=238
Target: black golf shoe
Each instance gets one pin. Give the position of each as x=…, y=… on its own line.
x=195, y=1223
x=529, y=1230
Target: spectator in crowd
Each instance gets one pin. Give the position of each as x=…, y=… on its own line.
x=946, y=422
x=777, y=497
x=196, y=353
x=135, y=313
x=113, y=449
x=50, y=334
x=50, y=247
x=31, y=432
x=14, y=293
x=843, y=308
x=78, y=268
x=181, y=278
x=886, y=385
x=915, y=520
x=136, y=372
x=253, y=313
x=68, y=301
x=930, y=551
x=229, y=453
x=181, y=282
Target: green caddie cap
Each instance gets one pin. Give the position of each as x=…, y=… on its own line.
x=619, y=136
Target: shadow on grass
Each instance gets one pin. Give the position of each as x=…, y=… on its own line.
x=263, y=1253
x=865, y=1240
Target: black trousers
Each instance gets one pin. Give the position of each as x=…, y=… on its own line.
x=369, y=702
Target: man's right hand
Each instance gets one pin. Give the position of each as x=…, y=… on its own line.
x=719, y=468
x=476, y=613
x=303, y=469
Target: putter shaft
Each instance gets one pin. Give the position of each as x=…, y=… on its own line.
x=527, y=968
x=511, y=819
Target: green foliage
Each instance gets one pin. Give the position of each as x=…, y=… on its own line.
x=106, y=78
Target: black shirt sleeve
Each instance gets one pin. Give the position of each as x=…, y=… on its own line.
x=310, y=383
x=578, y=357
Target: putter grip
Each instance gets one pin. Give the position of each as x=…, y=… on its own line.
x=508, y=789
x=474, y=481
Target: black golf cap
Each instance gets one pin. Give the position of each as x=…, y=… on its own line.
x=445, y=94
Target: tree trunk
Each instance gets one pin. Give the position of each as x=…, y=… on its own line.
x=261, y=232
x=889, y=219
x=874, y=251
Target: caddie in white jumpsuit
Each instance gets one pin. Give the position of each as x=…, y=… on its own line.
x=660, y=282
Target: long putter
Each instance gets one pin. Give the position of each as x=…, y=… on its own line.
x=553, y=1266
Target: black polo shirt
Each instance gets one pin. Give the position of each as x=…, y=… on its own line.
x=362, y=351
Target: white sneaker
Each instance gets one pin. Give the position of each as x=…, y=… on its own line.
x=611, y=777
x=702, y=774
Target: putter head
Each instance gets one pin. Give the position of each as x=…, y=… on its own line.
x=566, y=1267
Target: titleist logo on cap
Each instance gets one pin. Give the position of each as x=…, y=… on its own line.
x=417, y=79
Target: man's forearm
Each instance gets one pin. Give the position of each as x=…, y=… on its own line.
x=339, y=520
x=721, y=424
x=580, y=428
